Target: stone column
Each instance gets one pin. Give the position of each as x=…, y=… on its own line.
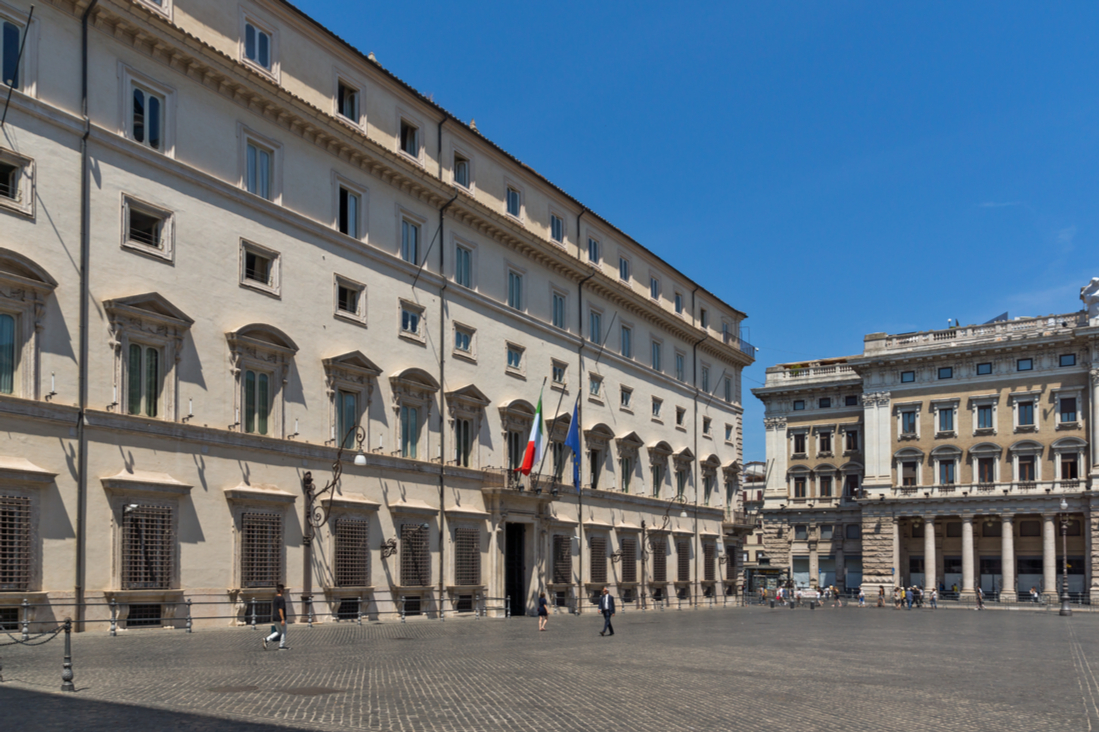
x=929, y=553
x=1091, y=556
x=814, y=567
x=1008, y=559
x=895, y=527
x=1050, y=558
x=967, y=558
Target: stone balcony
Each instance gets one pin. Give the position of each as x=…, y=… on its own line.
x=814, y=372
x=993, y=332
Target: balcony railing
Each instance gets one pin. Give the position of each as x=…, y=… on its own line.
x=985, y=331
x=985, y=489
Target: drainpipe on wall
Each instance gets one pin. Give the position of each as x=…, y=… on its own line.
x=442, y=398
x=695, y=430
x=82, y=378
x=580, y=386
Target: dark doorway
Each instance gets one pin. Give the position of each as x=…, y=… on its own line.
x=514, y=569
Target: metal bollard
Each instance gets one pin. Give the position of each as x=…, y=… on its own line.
x=772, y=603
x=189, y=621
x=67, y=665
x=477, y=607
x=309, y=611
x=679, y=603
x=813, y=605
x=402, y=609
x=507, y=606
x=253, y=614
x=114, y=617
x=359, y=615
x=26, y=620
x=441, y=609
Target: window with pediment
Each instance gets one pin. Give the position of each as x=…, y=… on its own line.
x=515, y=424
x=413, y=396
x=261, y=357
x=24, y=289
x=627, y=447
x=147, y=334
x=465, y=413
x=659, y=455
x=349, y=384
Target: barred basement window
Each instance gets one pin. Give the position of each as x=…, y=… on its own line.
x=629, y=549
x=412, y=605
x=9, y=619
x=563, y=559
x=467, y=556
x=683, y=561
x=348, y=610
x=415, y=563
x=464, y=604
x=598, y=560
x=260, y=610
x=708, y=560
x=731, y=566
x=15, y=543
x=144, y=614
x=261, y=550
x=147, y=545
x=352, y=552
x=660, y=559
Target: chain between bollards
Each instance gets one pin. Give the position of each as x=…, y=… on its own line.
x=67, y=665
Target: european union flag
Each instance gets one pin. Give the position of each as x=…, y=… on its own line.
x=573, y=442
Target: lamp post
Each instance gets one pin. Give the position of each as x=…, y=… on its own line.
x=316, y=515
x=1065, y=609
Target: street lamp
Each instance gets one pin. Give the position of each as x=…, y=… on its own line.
x=1065, y=609
x=317, y=514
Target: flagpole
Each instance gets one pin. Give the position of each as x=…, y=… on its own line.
x=561, y=395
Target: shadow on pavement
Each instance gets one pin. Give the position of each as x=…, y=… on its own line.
x=26, y=710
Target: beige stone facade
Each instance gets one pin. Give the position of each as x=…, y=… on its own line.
x=953, y=449
x=257, y=240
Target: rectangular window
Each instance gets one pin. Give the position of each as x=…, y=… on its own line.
x=657, y=477
x=515, y=357
x=727, y=389
x=563, y=559
x=348, y=219
x=626, y=345
x=825, y=442
x=147, y=119
x=557, y=310
x=625, y=394
x=1025, y=413
x=410, y=139
x=143, y=376
x=410, y=242
x=947, y=472
x=946, y=372
x=826, y=530
x=7, y=353
x=1023, y=365
x=257, y=267
x=683, y=561
x=1027, y=468
x=595, y=327
x=909, y=422
x=462, y=171
x=463, y=339
x=516, y=447
x=705, y=379
x=349, y=298
x=654, y=288
x=680, y=414
x=261, y=550
x=258, y=170
x=347, y=101
x=593, y=250
x=557, y=372
x=595, y=463
x=597, y=550
x=798, y=405
x=800, y=488
x=145, y=226
x=626, y=472
x=729, y=432
x=1067, y=360
x=660, y=558
x=410, y=430
x=1069, y=468
x=678, y=302
x=681, y=483
x=851, y=486
x=557, y=228
x=985, y=471
x=655, y=408
x=15, y=543
x=824, y=403
x=257, y=401
x=628, y=551
x=706, y=425
x=515, y=290
x=147, y=547
x=416, y=568
x=704, y=318
x=851, y=400
x=853, y=531
x=351, y=556
x=985, y=417
x=10, y=175
x=908, y=377
x=467, y=556
x=947, y=420
x=680, y=367
x=257, y=46
x=463, y=270
x=410, y=320
x=513, y=202
x=909, y=473
x=1067, y=409
x=851, y=440
x=986, y=367
x=10, y=42
x=655, y=355
x=594, y=386
x=624, y=268
x=799, y=442
x=347, y=417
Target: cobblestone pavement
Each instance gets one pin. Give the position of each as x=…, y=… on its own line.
x=722, y=669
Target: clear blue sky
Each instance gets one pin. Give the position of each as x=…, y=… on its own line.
x=832, y=168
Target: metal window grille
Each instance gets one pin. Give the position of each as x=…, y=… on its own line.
x=352, y=566
x=708, y=560
x=629, y=549
x=9, y=619
x=464, y=604
x=15, y=543
x=144, y=614
x=412, y=606
x=731, y=564
x=415, y=562
x=660, y=559
x=598, y=559
x=467, y=556
x=563, y=559
x=261, y=550
x=148, y=541
x=683, y=561
x=260, y=610
x=348, y=610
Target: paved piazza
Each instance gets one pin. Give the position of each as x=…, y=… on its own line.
x=722, y=669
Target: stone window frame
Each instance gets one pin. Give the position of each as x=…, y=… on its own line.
x=351, y=80
x=597, y=438
x=984, y=450
x=563, y=385
x=978, y=401
x=28, y=66
x=354, y=509
x=907, y=455
x=626, y=449
x=803, y=472
x=1026, y=448
x=818, y=431
x=362, y=224
x=824, y=470
x=471, y=355
x=351, y=372
x=1063, y=447
x=460, y=151
x=466, y=403
x=1014, y=401
x=166, y=249
x=659, y=455
x=512, y=184
x=902, y=407
x=24, y=204
x=413, y=387
x=130, y=78
x=244, y=499
x=943, y=453
x=626, y=394
x=938, y=406
x=274, y=285
x=791, y=433
x=359, y=318
x=23, y=479
x=403, y=116
x=418, y=336
x=24, y=289
x=264, y=348
x=152, y=321
x=515, y=371
x=245, y=136
x=846, y=429
x=1057, y=395
x=708, y=473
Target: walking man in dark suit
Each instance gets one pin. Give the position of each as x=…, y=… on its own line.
x=607, y=608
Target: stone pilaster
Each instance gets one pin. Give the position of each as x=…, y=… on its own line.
x=1008, y=558
x=967, y=592
x=1050, y=559
x=929, y=554
x=1092, y=551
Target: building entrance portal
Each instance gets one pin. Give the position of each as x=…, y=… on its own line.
x=515, y=568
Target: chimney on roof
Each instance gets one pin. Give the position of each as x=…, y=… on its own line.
x=372, y=57
x=473, y=124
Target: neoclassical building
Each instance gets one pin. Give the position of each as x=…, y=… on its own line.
x=938, y=459
x=232, y=245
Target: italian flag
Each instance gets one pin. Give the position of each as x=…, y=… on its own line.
x=536, y=443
